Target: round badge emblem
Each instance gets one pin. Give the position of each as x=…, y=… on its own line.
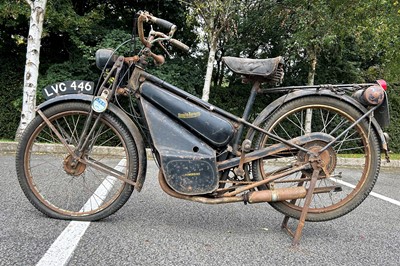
x=99, y=104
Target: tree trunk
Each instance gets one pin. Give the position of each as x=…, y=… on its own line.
x=221, y=76
x=218, y=71
x=311, y=78
x=210, y=67
x=311, y=73
x=31, y=74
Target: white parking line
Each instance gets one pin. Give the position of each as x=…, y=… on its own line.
x=376, y=195
x=60, y=252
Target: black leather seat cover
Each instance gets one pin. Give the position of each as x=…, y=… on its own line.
x=253, y=67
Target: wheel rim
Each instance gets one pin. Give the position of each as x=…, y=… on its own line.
x=81, y=190
x=332, y=120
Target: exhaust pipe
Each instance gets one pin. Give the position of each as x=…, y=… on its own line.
x=279, y=194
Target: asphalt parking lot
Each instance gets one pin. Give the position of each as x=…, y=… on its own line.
x=155, y=229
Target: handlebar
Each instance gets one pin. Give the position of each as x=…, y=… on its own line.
x=163, y=24
x=146, y=17
x=179, y=45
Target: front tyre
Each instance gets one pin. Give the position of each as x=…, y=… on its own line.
x=348, y=185
x=62, y=190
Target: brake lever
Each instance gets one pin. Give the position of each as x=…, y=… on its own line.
x=165, y=49
x=158, y=37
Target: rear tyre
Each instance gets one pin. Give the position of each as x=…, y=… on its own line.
x=61, y=190
x=350, y=184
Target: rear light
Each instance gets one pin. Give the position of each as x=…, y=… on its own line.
x=373, y=95
x=382, y=83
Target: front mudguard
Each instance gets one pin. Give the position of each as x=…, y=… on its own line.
x=269, y=110
x=132, y=128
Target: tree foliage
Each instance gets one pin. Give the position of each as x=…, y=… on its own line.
x=353, y=41
x=215, y=20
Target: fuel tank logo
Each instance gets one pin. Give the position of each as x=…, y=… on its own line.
x=188, y=115
x=192, y=174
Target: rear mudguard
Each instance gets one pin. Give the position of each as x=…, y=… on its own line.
x=264, y=115
x=132, y=128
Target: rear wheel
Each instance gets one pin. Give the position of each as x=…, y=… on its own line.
x=64, y=189
x=349, y=181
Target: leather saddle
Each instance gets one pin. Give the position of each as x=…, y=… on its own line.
x=265, y=70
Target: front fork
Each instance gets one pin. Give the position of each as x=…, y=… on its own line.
x=104, y=95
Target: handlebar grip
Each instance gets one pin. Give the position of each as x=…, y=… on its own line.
x=180, y=45
x=164, y=24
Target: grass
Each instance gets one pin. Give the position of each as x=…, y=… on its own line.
x=393, y=156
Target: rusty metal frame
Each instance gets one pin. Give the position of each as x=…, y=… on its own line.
x=238, y=156
x=272, y=150
x=310, y=191
x=243, y=120
x=242, y=157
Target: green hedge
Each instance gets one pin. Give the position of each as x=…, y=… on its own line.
x=11, y=74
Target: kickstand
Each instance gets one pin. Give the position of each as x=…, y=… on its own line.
x=310, y=191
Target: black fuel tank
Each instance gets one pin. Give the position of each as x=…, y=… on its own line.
x=211, y=127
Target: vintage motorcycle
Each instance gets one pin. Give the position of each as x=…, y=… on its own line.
x=85, y=152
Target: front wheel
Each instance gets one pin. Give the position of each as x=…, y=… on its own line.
x=64, y=189
x=343, y=186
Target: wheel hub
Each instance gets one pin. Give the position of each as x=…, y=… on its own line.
x=73, y=167
x=327, y=158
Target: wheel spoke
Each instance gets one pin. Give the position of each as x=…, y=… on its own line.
x=76, y=189
x=331, y=117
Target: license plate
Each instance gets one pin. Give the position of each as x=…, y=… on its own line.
x=68, y=87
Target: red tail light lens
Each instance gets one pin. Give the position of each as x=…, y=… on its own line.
x=382, y=83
